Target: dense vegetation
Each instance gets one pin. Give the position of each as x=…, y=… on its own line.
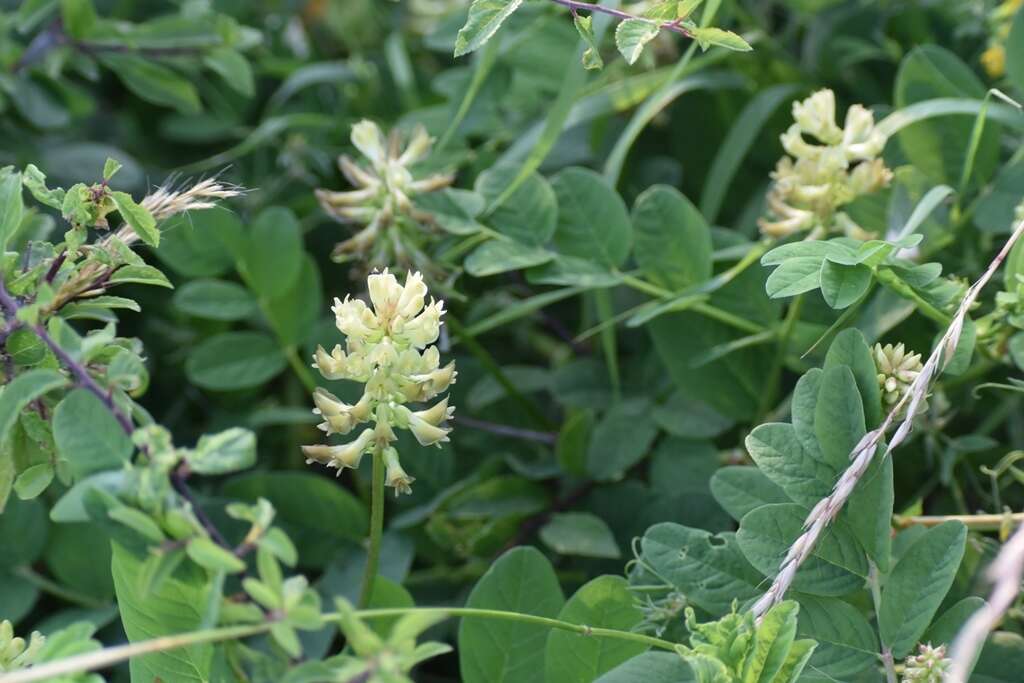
x=511, y=340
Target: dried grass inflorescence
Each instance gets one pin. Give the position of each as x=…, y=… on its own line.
x=815, y=180
x=394, y=231
x=389, y=350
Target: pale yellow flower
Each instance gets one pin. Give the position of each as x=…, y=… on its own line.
x=388, y=349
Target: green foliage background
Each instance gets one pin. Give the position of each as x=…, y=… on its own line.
x=645, y=414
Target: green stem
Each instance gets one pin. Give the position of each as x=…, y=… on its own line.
x=55, y=589
x=301, y=370
x=521, y=618
x=704, y=309
x=106, y=657
x=376, y=528
x=876, y=598
x=609, y=341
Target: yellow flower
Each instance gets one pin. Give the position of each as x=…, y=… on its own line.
x=394, y=230
x=387, y=350
x=827, y=167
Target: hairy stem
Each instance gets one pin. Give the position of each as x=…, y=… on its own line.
x=376, y=528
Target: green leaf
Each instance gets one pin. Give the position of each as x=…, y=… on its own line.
x=17, y=595
x=196, y=244
x=23, y=533
x=234, y=360
x=946, y=626
x=593, y=222
x=35, y=181
x=742, y=489
x=153, y=82
x=209, y=555
x=708, y=36
x=137, y=217
x=233, y=68
x=523, y=581
x=110, y=168
x=847, y=644
x=621, y=439
x=707, y=568
x=734, y=148
x=851, y=349
x=1001, y=659
x=673, y=241
x=174, y=607
x=21, y=391
x=143, y=275
x=214, y=300
x=294, y=312
x=838, y=416
x=318, y=515
x=796, y=275
x=592, y=55
x=529, y=215
x=500, y=256
x=632, y=35
x=843, y=285
x=814, y=249
x=11, y=204
x=580, y=533
x=78, y=556
x=918, y=584
x=33, y=481
x=650, y=667
x=78, y=17
x=605, y=602
x=88, y=436
x=939, y=147
x=228, y=451
x=1015, y=52
x=779, y=454
x=272, y=255
x=836, y=565
x=772, y=643
x=485, y=17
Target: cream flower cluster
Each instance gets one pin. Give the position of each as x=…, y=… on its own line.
x=814, y=180
x=393, y=229
x=897, y=370
x=388, y=349
x=929, y=665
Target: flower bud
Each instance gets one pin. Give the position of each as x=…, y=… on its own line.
x=897, y=370
x=383, y=197
x=817, y=116
x=369, y=140
x=395, y=476
x=928, y=665
x=345, y=455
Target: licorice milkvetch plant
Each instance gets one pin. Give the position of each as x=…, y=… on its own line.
x=734, y=290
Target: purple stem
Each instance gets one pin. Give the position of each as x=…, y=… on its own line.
x=506, y=430
x=82, y=377
x=619, y=14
